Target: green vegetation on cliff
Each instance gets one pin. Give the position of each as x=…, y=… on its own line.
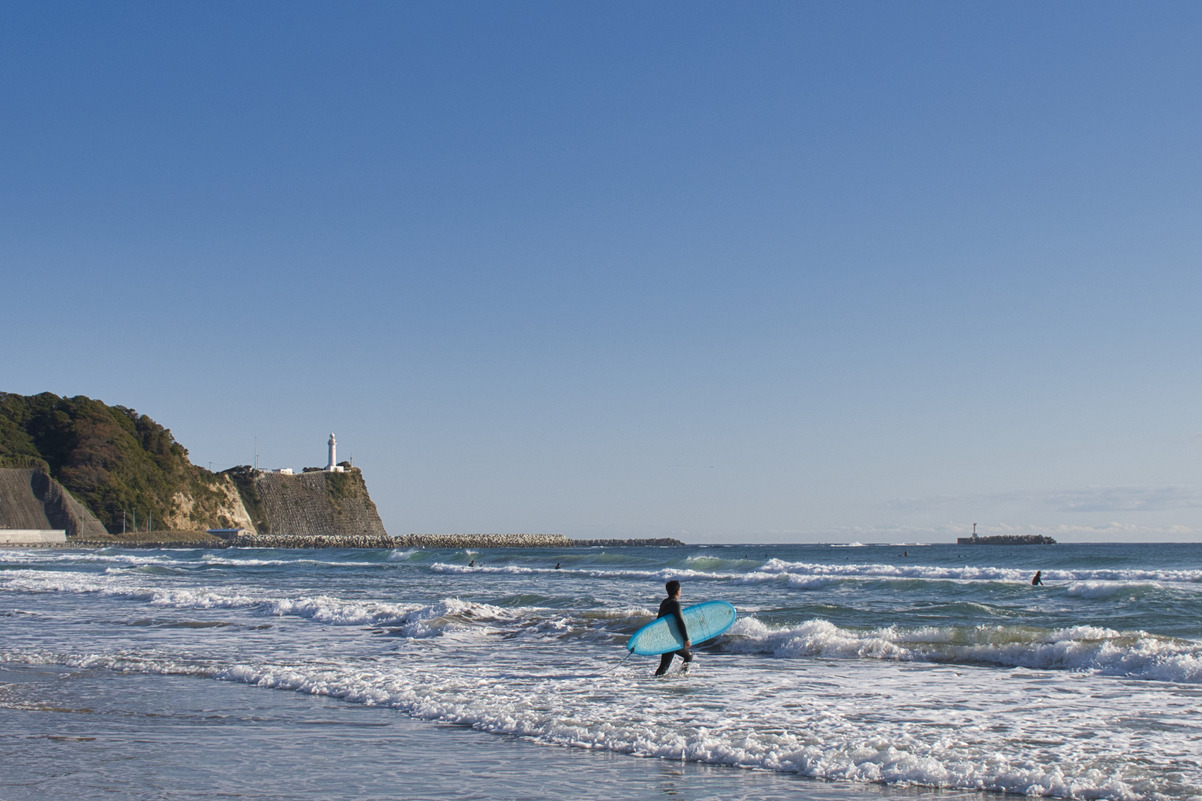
x=118, y=463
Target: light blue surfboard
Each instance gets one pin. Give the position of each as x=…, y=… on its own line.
x=704, y=621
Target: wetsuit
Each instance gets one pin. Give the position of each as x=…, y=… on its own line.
x=671, y=606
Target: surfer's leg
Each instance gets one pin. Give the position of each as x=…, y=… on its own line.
x=687, y=656
x=665, y=662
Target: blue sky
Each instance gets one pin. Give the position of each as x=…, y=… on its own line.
x=773, y=272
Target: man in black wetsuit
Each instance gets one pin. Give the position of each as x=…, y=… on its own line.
x=671, y=606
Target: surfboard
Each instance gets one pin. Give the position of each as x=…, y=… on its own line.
x=704, y=622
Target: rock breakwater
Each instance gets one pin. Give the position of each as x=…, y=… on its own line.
x=1007, y=539
x=432, y=541
x=483, y=541
x=628, y=543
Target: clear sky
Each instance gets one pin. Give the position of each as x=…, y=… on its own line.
x=730, y=272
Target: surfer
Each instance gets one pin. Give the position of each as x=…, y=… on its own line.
x=671, y=606
x=1037, y=579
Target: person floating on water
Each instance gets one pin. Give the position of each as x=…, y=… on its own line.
x=1037, y=579
x=671, y=606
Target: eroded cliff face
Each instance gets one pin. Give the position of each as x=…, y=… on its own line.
x=98, y=470
x=316, y=504
x=309, y=505
x=31, y=499
x=220, y=507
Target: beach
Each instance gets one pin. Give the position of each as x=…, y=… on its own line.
x=852, y=672
x=71, y=733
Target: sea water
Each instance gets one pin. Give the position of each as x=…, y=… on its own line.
x=871, y=669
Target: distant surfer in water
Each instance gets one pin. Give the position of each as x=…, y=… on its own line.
x=671, y=606
x=1037, y=579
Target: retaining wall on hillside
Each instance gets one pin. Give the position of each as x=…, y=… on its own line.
x=30, y=499
x=318, y=505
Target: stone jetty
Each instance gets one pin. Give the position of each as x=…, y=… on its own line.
x=1007, y=539
x=447, y=541
x=122, y=542
x=483, y=541
x=660, y=542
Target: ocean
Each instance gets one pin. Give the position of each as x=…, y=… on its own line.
x=853, y=672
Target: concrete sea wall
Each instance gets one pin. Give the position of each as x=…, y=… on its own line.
x=27, y=537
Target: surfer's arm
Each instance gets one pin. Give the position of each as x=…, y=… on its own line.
x=684, y=631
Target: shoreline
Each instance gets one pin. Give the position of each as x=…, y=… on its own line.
x=110, y=727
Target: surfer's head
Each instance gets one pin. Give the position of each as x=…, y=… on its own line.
x=673, y=588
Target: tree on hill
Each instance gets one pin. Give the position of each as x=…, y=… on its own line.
x=117, y=462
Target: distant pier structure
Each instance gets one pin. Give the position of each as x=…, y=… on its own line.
x=1005, y=539
x=333, y=466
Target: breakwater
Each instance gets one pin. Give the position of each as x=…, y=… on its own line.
x=117, y=542
x=1007, y=539
x=520, y=541
x=628, y=543
x=483, y=541
x=443, y=541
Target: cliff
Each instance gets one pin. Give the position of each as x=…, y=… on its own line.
x=98, y=470
x=126, y=469
x=106, y=474
x=314, y=504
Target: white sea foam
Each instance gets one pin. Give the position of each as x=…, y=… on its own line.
x=99, y=557
x=1136, y=655
x=811, y=723
x=409, y=619
x=799, y=575
x=1083, y=648
x=1099, y=581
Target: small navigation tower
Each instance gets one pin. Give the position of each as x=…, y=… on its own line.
x=333, y=462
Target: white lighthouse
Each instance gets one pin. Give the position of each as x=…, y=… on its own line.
x=332, y=467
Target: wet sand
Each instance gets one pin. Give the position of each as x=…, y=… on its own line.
x=69, y=733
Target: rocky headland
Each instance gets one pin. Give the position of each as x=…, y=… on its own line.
x=108, y=476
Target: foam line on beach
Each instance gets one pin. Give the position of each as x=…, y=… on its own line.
x=814, y=736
